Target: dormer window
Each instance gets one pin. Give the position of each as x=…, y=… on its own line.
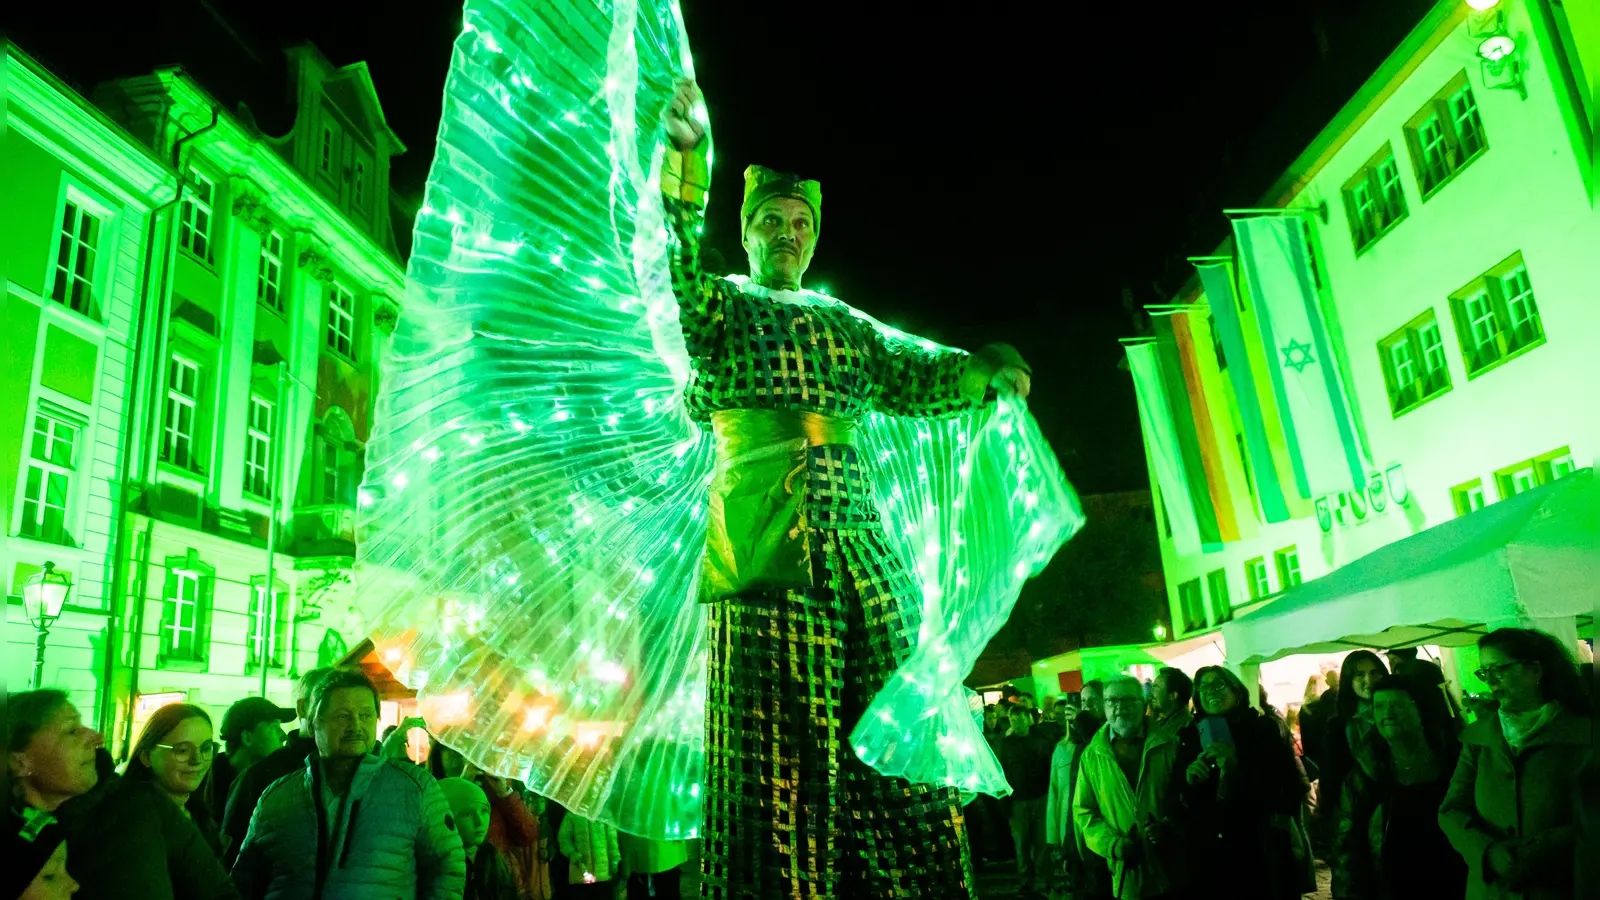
x=327, y=150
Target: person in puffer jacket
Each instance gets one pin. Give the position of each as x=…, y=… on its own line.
x=351, y=826
x=595, y=854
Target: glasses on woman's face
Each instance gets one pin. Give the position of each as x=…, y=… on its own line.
x=189, y=752
x=1493, y=674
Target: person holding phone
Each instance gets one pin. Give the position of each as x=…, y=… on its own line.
x=1242, y=790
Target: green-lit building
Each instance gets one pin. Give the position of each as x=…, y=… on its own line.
x=194, y=322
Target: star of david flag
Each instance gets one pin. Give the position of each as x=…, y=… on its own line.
x=1320, y=432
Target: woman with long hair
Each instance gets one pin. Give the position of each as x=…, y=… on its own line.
x=126, y=839
x=174, y=752
x=1388, y=842
x=1348, y=736
x=1243, y=791
x=1509, y=811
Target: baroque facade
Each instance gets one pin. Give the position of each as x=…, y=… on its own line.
x=255, y=316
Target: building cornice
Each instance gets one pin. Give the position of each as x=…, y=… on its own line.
x=49, y=113
x=245, y=155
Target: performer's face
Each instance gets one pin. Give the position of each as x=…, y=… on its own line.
x=780, y=241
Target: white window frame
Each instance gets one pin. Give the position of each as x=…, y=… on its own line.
x=1432, y=340
x=1394, y=196
x=1288, y=563
x=276, y=625
x=172, y=434
x=1258, y=575
x=1481, y=319
x=196, y=219
x=1562, y=466
x=1464, y=116
x=69, y=270
x=341, y=320
x=1366, y=210
x=269, y=273
x=258, y=447
x=1517, y=289
x=1402, y=364
x=1523, y=479
x=47, y=427
x=1435, y=147
x=184, y=593
x=1475, y=498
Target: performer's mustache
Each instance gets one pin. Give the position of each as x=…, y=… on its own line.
x=785, y=245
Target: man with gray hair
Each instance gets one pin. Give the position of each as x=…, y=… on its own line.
x=1126, y=796
x=252, y=782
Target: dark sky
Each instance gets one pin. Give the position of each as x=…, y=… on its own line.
x=990, y=171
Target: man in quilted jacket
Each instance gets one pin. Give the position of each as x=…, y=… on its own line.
x=352, y=825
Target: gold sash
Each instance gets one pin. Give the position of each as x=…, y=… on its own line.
x=754, y=534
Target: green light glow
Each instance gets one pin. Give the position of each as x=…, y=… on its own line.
x=540, y=570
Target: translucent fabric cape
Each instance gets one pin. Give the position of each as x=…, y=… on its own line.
x=533, y=519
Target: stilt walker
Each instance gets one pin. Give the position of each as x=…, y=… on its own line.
x=697, y=556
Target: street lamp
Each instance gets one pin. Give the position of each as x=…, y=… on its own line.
x=42, y=598
x=1161, y=632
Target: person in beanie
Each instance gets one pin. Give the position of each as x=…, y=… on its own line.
x=252, y=729
x=253, y=782
x=488, y=877
x=36, y=858
x=797, y=565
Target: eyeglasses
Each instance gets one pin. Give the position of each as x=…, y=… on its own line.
x=1492, y=674
x=1124, y=702
x=189, y=752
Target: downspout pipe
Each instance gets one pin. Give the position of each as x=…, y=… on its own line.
x=139, y=459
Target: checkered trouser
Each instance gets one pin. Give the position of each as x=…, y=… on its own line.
x=789, y=809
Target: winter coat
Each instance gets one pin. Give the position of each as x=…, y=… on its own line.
x=488, y=876
x=1388, y=842
x=390, y=835
x=1523, y=799
x=514, y=831
x=1111, y=815
x=1255, y=820
x=127, y=839
x=1058, y=809
x=250, y=783
x=1025, y=758
x=592, y=847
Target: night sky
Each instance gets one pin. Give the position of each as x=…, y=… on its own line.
x=990, y=171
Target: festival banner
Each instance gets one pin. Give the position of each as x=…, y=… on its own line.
x=1161, y=441
x=1317, y=424
x=1251, y=405
x=1179, y=413
x=1233, y=487
x=1200, y=409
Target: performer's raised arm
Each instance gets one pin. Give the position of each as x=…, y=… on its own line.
x=685, y=177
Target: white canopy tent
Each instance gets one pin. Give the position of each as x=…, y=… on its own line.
x=1532, y=557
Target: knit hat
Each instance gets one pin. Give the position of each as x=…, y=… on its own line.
x=762, y=184
x=31, y=838
x=460, y=793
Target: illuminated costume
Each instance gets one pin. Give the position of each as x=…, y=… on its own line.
x=531, y=558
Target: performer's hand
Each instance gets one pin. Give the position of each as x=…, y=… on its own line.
x=1011, y=380
x=678, y=119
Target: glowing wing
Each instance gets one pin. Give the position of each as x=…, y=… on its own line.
x=976, y=504
x=533, y=515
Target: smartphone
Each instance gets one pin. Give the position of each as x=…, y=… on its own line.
x=1214, y=730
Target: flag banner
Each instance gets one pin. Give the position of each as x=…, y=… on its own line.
x=1317, y=425
x=1234, y=488
x=1200, y=409
x=1161, y=441
x=1217, y=281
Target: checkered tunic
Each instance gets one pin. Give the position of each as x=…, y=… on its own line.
x=789, y=809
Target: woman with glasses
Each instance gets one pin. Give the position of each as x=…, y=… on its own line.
x=174, y=752
x=125, y=838
x=1510, y=808
x=1243, y=791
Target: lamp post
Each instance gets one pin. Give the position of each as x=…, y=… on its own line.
x=42, y=598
